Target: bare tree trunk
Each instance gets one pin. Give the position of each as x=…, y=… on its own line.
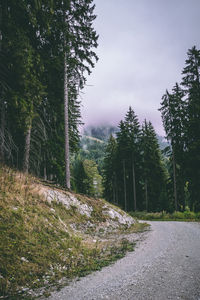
x=2, y=132
x=66, y=117
x=124, y=172
x=27, y=148
x=134, y=186
x=146, y=195
x=45, y=168
x=116, y=190
x=113, y=188
x=2, y=128
x=182, y=192
x=174, y=175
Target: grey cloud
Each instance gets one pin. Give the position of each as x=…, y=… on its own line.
x=142, y=50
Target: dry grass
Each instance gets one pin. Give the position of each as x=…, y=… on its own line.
x=38, y=247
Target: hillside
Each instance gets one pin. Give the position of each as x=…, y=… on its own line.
x=47, y=234
x=101, y=132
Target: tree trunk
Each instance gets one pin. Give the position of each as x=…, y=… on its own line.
x=146, y=195
x=116, y=190
x=45, y=168
x=124, y=172
x=27, y=148
x=113, y=188
x=134, y=186
x=183, y=192
x=66, y=117
x=2, y=133
x=2, y=128
x=174, y=177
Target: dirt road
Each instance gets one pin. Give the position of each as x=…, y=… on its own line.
x=165, y=265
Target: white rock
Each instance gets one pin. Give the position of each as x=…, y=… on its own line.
x=24, y=259
x=68, y=201
x=122, y=219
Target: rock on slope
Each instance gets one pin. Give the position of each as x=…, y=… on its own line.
x=99, y=215
x=47, y=234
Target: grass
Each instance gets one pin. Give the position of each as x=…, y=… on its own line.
x=164, y=216
x=38, y=247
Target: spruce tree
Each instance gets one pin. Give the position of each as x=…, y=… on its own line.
x=153, y=175
x=25, y=67
x=32, y=109
x=79, y=39
x=122, y=161
x=133, y=139
x=173, y=110
x=191, y=85
x=110, y=172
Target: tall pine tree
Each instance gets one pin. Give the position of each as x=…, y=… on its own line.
x=110, y=171
x=153, y=173
x=191, y=84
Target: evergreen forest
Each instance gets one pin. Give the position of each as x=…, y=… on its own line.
x=137, y=175
x=47, y=49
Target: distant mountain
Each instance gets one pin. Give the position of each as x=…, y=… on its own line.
x=162, y=142
x=100, y=132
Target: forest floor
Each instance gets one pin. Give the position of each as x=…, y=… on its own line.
x=164, y=265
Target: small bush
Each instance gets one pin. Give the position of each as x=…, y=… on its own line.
x=189, y=215
x=164, y=216
x=178, y=215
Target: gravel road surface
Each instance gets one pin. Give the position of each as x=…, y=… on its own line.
x=164, y=265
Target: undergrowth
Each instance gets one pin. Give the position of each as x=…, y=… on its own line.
x=164, y=216
x=37, y=245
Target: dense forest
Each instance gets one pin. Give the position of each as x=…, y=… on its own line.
x=46, y=51
x=134, y=170
x=136, y=175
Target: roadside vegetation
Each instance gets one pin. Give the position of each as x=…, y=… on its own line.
x=164, y=216
x=39, y=245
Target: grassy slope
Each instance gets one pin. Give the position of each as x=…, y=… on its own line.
x=38, y=245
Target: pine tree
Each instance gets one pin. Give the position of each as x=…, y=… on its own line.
x=128, y=163
x=122, y=158
x=36, y=38
x=154, y=177
x=173, y=110
x=110, y=172
x=191, y=84
x=79, y=38
x=24, y=64
x=133, y=139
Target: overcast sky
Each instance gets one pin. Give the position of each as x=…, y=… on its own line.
x=142, y=51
